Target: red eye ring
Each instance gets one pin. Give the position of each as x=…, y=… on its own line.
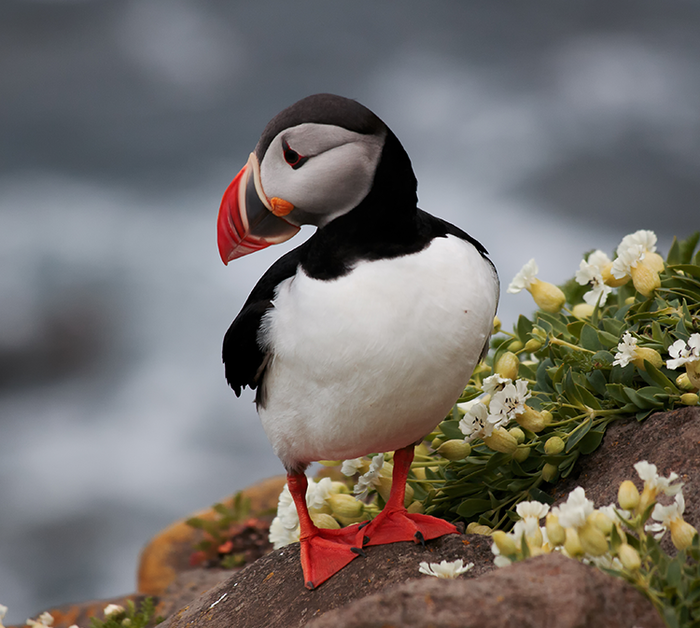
x=294, y=159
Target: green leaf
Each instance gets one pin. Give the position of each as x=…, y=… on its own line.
x=658, y=377
x=523, y=328
x=591, y=441
x=471, y=507
x=451, y=429
x=637, y=399
x=578, y=434
x=597, y=382
x=608, y=340
x=613, y=326
x=589, y=339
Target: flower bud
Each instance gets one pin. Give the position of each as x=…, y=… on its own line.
x=437, y=441
x=582, y=310
x=592, y=540
x=550, y=472
x=628, y=495
x=692, y=370
x=345, y=505
x=415, y=507
x=516, y=345
x=547, y=416
x=500, y=440
x=517, y=434
x=454, y=449
x=555, y=532
x=531, y=419
x=682, y=533
x=477, y=528
x=601, y=521
x=647, y=498
x=648, y=354
x=689, y=399
x=496, y=325
x=654, y=261
x=553, y=445
x=323, y=520
x=539, y=333
x=629, y=557
x=532, y=345
x=610, y=279
x=645, y=278
x=572, y=544
x=683, y=382
x=507, y=365
x=522, y=453
x=322, y=509
x=419, y=472
x=547, y=296
x=504, y=542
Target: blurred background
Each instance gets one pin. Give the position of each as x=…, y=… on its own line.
x=543, y=128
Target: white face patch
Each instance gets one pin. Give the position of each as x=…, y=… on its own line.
x=336, y=174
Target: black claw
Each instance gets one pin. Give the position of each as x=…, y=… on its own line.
x=362, y=525
x=310, y=585
x=420, y=538
x=365, y=540
x=359, y=551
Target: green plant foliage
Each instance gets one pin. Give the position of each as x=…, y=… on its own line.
x=568, y=363
x=218, y=529
x=130, y=617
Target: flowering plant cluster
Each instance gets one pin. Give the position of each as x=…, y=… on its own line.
x=619, y=539
x=116, y=616
x=621, y=338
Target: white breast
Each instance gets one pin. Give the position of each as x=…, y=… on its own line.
x=373, y=360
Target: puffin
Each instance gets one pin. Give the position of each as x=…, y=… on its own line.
x=361, y=339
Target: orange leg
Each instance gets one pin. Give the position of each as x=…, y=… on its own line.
x=394, y=523
x=323, y=552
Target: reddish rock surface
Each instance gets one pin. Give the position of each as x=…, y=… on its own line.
x=545, y=592
x=270, y=591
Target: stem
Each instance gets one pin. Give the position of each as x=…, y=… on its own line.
x=563, y=343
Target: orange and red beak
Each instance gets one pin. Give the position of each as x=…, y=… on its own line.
x=249, y=221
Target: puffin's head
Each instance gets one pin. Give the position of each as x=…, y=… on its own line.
x=315, y=161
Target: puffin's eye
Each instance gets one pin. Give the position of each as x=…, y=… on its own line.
x=294, y=159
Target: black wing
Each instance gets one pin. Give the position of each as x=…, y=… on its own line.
x=244, y=360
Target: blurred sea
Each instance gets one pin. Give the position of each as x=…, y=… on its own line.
x=544, y=129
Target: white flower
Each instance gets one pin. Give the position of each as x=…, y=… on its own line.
x=478, y=423
x=654, y=482
x=466, y=406
x=113, y=609
x=683, y=353
x=631, y=251
x=369, y=479
x=351, y=467
x=666, y=515
x=287, y=510
x=510, y=401
x=591, y=272
x=3, y=612
x=574, y=512
x=499, y=560
x=445, y=569
x=280, y=535
x=45, y=621
x=530, y=515
x=318, y=493
x=613, y=512
x=524, y=278
x=626, y=350
x=494, y=383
